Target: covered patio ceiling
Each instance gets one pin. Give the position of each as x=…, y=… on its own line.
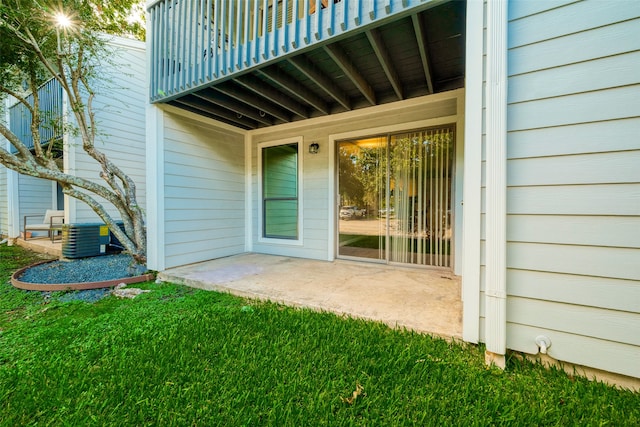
x=415, y=55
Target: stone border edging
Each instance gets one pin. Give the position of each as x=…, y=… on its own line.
x=73, y=286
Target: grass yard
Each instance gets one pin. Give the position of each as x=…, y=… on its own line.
x=180, y=356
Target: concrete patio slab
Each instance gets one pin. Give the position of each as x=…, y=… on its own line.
x=424, y=300
x=42, y=245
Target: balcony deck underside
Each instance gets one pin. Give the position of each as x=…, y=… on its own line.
x=414, y=55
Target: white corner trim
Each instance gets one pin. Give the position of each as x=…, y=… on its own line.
x=496, y=166
x=248, y=194
x=155, y=188
x=332, y=193
x=472, y=173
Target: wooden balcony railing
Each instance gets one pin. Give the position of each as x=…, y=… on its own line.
x=50, y=128
x=196, y=42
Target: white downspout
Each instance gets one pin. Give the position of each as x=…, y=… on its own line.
x=496, y=185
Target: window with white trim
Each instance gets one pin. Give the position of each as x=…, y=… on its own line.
x=280, y=191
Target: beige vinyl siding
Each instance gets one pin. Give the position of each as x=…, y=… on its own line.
x=573, y=196
x=315, y=182
x=119, y=105
x=204, y=191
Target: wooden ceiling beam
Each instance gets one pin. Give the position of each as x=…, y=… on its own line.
x=198, y=106
x=295, y=89
x=222, y=100
x=324, y=82
x=422, y=48
x=263, y=89
x=255, y=101
x=341, y=58
x=375, y=39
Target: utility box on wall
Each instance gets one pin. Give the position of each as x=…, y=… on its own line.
x=84, y=240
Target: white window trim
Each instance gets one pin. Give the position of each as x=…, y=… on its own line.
x=270, y=240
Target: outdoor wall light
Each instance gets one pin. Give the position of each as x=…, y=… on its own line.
x=314, y=147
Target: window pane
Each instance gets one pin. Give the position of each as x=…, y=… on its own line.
x=281, y=218
x=280, y=171
x=280, y=191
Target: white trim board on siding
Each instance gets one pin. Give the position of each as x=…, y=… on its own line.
x=599, y=199
x=617, y=263
x=521, y=9
x=602, y=292
x=604, y=73
x=571, y=18
x=612, y=231
x=598, y=168
x=597, y=43
x=613, y=104
x=605, y=324
x=580, y=138
x=578, y=349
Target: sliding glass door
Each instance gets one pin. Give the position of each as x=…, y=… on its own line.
x=395, y=197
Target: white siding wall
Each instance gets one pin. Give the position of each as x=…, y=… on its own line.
x=573, y=176
x=316, y=179
x=35, y=197
x=204, y=191
x=120, y=113
x=4, y=208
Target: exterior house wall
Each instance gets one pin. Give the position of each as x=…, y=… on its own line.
x=4, y=208
x=573, y=183
x=5, y=181
x=119, y=107
x=204, y=190
x=35, y=195
x=572, y=193
x=318, y=170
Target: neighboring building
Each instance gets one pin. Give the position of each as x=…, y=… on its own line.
x=119, y=108
x=499, y=140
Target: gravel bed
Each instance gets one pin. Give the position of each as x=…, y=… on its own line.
x=93, y=269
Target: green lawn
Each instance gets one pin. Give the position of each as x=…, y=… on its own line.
x=376, y=242
x=180, y=356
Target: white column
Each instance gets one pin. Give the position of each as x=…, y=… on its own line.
x=471, y=200
x=496, y=172
x=248, y=193
x=155, y=188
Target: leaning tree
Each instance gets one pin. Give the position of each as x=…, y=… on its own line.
x=62, y=40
